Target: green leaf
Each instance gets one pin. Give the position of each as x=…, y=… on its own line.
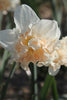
x=45, y=89
x=1, y=15
x=54, y=90
x=65, y=4
x=57, y=10
x=3, y=65
x=3, y=93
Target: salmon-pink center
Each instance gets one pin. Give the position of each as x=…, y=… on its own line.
x=22, y=41
x=30, y=55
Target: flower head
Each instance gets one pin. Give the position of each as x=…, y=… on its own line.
x=6, y=5
x=62, y=51
x=33, y=39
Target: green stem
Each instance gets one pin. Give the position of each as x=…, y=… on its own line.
x=33, y=69
x=54, y=90
x=35, y=83
x=45, y=89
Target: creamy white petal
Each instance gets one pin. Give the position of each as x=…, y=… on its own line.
x=7, y=38
x=23, y=17
x=34, y=43
x=46, y=29
x=52, y=72
x=62, y=51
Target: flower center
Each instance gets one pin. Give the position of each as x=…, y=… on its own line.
x=22, y=41
x=26, y=52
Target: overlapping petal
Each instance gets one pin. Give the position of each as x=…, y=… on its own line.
x=46, y=29
x=34, y=43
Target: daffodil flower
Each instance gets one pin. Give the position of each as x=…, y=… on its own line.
x=8, y=5
x=33, y=40
x=62, y=51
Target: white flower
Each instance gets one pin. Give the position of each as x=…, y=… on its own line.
x=62, y=51
x=33, y=39
x=54, y=63
x=8, y=5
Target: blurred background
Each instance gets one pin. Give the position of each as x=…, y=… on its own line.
x=15, y=82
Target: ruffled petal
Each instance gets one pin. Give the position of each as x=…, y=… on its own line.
x=46, y=29
x=8, y=38
x=62, y=51
x=34, y=43
x=23, y=17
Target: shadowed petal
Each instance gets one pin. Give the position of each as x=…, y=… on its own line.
x=7, y=38
x=52, y=72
